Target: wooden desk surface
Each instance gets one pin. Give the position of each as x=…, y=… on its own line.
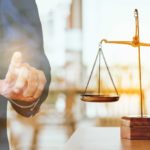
x=98, y=138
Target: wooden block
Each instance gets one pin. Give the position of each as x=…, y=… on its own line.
x=135, y=128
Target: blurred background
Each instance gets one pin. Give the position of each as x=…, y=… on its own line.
x=72, y=30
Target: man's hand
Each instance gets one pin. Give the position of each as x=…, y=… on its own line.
x=22, y=82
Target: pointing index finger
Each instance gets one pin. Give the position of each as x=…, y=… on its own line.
x=16, y=60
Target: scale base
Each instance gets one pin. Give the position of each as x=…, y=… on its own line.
x=135, y=128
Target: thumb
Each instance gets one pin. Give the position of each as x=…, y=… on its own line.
x=16, y=60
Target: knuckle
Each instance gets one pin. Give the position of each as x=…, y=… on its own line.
x=41, y=73
x=44, y=80
x=41, y=76
x=40, y=88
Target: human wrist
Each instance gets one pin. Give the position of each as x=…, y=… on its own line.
x=24, y=104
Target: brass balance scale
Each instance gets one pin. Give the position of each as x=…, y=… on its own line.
x=131, y=127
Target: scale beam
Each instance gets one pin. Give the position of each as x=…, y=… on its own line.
x=131, y=43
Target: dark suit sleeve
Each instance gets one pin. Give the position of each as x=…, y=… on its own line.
x=21, y=31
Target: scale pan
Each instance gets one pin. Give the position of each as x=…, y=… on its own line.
x=99, y=98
